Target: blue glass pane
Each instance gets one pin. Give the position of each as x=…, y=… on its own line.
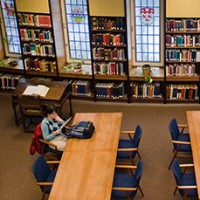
x=157, y=48
x=78, y=45
x=139, y=56
x=138, y=48
x=72, y=45
x=157, y=57
x=156, y=40
x=151, y=48
x=73, y=54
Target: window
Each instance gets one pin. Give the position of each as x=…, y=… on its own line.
x=77, y=30
x=148, y=45
x=9, y=27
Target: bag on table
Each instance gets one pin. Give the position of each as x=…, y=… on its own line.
x=82, y=130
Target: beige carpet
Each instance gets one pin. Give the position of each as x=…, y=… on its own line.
x=18, y=183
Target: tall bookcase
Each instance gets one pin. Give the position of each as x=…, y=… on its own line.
x=37, y=42
x=109, y=57
x=38, y=33
x=182, y=56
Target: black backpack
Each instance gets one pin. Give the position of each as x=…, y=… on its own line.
x=81, y=130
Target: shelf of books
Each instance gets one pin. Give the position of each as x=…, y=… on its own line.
x=9, y=81
x=37, y=42
x=146, y=92
x=82, y=89
x=177, y=92
x=182, y=59
x=109, y=56
x=111, y=90
x=11, y=71
x=142, y=90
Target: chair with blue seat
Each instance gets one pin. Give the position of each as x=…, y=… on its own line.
x=185, y=182
x=44, y=175
x=180, y=141
x=128, y=148
x=126, y=185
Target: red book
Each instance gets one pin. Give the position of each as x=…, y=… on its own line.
x=41, y=37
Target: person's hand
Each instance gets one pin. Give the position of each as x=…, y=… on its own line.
x=57, y=132
x=57, y=118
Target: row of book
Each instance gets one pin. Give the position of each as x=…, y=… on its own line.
x=36, y=35
x=100, y=53
x=40, y=65
x=26, y=19
x=108, y=39
x=34, y=49
x=182, y=25
x=110, y=90
x=146, y=90
x=9, y=81
x=80, y=87
x=178, y=69
x=182, y=91
x=105, y=23
x=182, y=55
x=111, y=68
x=183, y=40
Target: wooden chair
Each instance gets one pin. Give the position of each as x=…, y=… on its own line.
x=30, y=108
x=128, y=147
x=50, y=152
x=185, y=181
x=39, y=145
x=44, y=174
x=126, y=185
x=180, y=141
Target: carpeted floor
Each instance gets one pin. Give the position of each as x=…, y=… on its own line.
x=18, y=183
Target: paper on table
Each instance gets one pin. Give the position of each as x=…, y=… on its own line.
x=40, y=90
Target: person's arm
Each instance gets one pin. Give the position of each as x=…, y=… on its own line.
x=59, y=119
x=45, y=132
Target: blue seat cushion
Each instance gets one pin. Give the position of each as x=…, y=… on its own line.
x=184, y=147
x=188, y=179
x=124, y=180
x=125, y=144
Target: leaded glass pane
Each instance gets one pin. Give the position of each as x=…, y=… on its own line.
x=11, y=29
x=147, y=31
x=78, y=29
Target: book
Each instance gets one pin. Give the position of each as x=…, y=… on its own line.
x=40, y=90
x=65, y=123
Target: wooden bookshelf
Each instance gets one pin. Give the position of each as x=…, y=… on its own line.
x=182, y=59
x=109, y=57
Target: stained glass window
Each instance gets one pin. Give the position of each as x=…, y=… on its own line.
x=11, y=38
x=147, y=30
x=78, y=29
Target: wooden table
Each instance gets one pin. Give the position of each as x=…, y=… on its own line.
x=87, y=166
x=193, y=118
x=58, y=93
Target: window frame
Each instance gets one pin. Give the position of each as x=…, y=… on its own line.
x=3, y=35
x=66, y=38
x=133, y=37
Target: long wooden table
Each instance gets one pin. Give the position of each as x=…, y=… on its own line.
x=58, y=93
x=87, y=166
x=193, y=118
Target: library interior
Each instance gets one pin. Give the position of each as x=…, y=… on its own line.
x=130, y=68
